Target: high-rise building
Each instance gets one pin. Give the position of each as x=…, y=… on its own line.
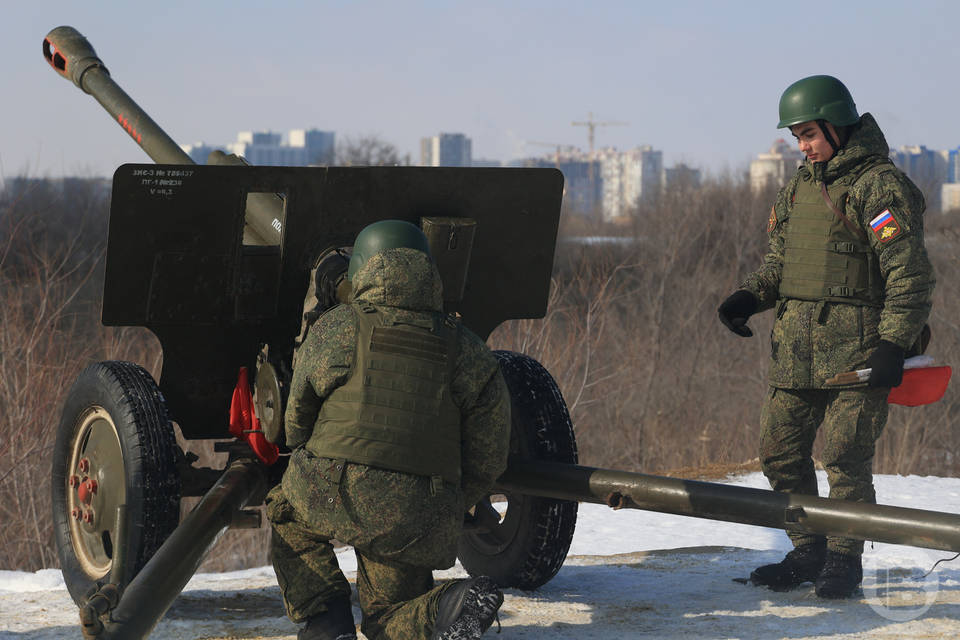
x=629, y=178
x=922, y=165
x=318, y=145
x=446, y=150
x=580, y=195
x=953, y=165
x=950, y=197
x=926, y=167
x=775, y=167
x=681, y=176
x=303, y=147
x=609, y=185
x=198, y=151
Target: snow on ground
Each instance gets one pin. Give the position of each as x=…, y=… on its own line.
x=630, y=574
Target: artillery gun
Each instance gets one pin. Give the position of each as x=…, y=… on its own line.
x=216, y=260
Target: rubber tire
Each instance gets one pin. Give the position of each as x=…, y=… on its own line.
x=538, y=531
x=131, y=398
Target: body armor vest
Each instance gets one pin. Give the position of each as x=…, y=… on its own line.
x=824, y=259
x=396, y=410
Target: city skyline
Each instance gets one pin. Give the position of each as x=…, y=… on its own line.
x=698, y=80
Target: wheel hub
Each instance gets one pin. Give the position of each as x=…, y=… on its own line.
x=96, y=488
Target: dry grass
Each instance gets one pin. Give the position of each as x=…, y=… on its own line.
x=652, y=379
x=714, y=472
x=49, y=264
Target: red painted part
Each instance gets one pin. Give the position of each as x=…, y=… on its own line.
x=74, y=481
x=925, y=385
x=83, y=465
x=53, y=56
x=244, y=423
x=84, y=492
x=122, y=119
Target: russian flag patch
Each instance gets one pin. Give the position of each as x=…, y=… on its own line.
x=885, y=226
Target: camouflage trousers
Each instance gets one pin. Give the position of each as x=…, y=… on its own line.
x=397, y=601
x=851, y=421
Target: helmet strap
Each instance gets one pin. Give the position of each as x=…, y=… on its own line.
x=829, y=137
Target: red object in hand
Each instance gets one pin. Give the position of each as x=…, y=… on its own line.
x=924, y=385
x=244, y=423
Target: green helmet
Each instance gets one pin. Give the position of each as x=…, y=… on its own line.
x=817, y=98
x=383, y=235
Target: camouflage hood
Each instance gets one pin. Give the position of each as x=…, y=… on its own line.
x=401, y=278
x=866, y=147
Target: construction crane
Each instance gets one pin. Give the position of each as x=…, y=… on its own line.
x=591, y=126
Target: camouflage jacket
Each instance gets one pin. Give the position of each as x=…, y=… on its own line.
x=388, y=514
x=812, y=341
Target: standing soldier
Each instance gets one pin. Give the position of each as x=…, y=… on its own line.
x=399, y=421
x=851, y=282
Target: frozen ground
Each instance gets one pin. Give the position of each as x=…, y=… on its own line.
x=630, y=574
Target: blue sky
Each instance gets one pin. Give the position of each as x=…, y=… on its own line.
x=698, y=80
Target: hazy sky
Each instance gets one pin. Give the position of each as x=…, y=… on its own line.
x=699, y=80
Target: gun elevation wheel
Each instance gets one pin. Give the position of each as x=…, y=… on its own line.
x=115, y=447
x=519, y=540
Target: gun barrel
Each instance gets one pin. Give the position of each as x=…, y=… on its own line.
x=759, y=507
x=73, y=57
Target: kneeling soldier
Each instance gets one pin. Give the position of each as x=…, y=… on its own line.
x=398, y=418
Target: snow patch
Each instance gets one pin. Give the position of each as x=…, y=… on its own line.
x=630, y=574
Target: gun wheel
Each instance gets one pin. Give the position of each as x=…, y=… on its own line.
x=115, y=447
x=519, y=540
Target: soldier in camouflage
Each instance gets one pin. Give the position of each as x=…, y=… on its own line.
x=849, y=277
x=398, y=418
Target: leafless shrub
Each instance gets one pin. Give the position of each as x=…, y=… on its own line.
x=652, y=379
x=41, y=315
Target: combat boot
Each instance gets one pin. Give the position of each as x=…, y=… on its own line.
x=841, y=575
x=467, y=609
x=803, y=564
x=336, y=623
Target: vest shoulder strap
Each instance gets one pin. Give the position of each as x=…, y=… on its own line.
x=849, y=224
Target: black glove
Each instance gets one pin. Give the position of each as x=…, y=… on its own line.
x=736, y=310
x=886, y=363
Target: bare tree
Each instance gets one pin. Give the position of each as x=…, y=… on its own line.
x=366, y=151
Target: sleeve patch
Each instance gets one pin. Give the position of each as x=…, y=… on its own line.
x=885, y=226
x=772, y=222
